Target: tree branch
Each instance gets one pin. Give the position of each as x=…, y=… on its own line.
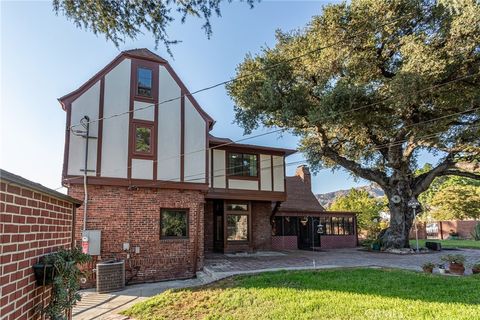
x=423, y=181
x=459, y=173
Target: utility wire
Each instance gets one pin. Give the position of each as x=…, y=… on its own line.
x=318, y=49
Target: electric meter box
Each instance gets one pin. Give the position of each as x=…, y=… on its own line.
x=93, y=238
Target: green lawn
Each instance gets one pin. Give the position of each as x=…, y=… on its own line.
x=328, y=294
x=469, y=244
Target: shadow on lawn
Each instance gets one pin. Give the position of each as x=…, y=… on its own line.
x=384, y=282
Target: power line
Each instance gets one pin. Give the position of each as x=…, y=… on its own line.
x=275, y=65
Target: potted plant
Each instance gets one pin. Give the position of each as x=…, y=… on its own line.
x=441, y=268
x=428, y=267
x=456, y=263
x=476, y=268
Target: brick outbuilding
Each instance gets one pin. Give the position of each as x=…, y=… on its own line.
x=35, y=221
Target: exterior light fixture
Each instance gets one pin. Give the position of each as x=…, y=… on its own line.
x=414, y=204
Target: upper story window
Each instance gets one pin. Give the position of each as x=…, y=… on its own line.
x=242, y=164
x=144, y=82
x=143, y=139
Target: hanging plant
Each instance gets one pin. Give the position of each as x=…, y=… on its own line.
x=66, y=282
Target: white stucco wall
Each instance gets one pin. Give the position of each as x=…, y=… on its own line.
x=143, y=111
x=278, y=174
x=266, y=172
x=195, y=145
x=115, y=130
x=218, y=168
x=169, y=128
x=86, y=104
x=142, y=169
x=243, y=184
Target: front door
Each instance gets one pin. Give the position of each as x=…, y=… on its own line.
x=218, y=232
x=308, y=237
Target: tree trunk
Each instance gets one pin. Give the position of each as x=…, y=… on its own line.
x=401, y=217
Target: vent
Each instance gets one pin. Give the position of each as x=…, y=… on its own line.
x=110, y=276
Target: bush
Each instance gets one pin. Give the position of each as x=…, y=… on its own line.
x=66, y=282
x=454, y=258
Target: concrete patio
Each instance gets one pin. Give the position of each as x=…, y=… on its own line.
x=218, y=266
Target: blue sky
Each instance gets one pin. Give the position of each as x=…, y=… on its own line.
x=44, y=56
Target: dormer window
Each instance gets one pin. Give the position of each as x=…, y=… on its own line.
x=144, y=82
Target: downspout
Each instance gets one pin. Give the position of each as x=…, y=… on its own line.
x=85, y=171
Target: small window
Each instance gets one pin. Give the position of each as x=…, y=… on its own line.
x=144, y=82
x=143, y=139
x=237, y=227
x=173, y=223
x=242, y=164
x=237, y=207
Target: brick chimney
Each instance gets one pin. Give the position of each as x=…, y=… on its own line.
x=304, y=173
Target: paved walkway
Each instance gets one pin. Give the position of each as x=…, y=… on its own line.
x=218, y=266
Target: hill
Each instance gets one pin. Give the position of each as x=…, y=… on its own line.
x=326, y=199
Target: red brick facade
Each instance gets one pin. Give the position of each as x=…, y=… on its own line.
x=260, y=228
x=32, y=224
x=133, y=215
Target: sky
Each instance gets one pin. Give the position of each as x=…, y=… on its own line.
x=44, y=56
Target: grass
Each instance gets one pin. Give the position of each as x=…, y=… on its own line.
x=328, y=294
x=467, y=244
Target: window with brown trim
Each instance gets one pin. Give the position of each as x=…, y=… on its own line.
x=143, y=139
x=144, y=82
x=242, y=164
x=173, y=223
x=237, y=214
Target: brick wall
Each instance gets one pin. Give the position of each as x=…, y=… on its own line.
x=133, y=216
x=332, y=242
x=261, y=226
x=284, y=242
x=464, y=228
x=208, y=226
x=260, y=232
x=32, y=224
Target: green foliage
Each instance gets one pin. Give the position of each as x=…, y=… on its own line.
x=454, y=258
x=451, y=197
x=476, y=232
x=328, y=294
x=428, y=265
x=367, y=207
x=118, y=20
x=367, y=85
x=66, y=281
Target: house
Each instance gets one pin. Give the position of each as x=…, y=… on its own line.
x=161, y=190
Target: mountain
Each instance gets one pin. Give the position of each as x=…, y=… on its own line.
x=326, y=199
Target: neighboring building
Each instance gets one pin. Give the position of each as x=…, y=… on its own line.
x=35, y=221
x=161, y=189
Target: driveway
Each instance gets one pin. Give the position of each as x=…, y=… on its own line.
x=218, y=266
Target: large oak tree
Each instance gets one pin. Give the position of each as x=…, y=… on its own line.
x=369, y=85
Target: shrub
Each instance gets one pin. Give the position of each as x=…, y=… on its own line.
x=454, y=258
x=66, y=282
x=428, y=265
